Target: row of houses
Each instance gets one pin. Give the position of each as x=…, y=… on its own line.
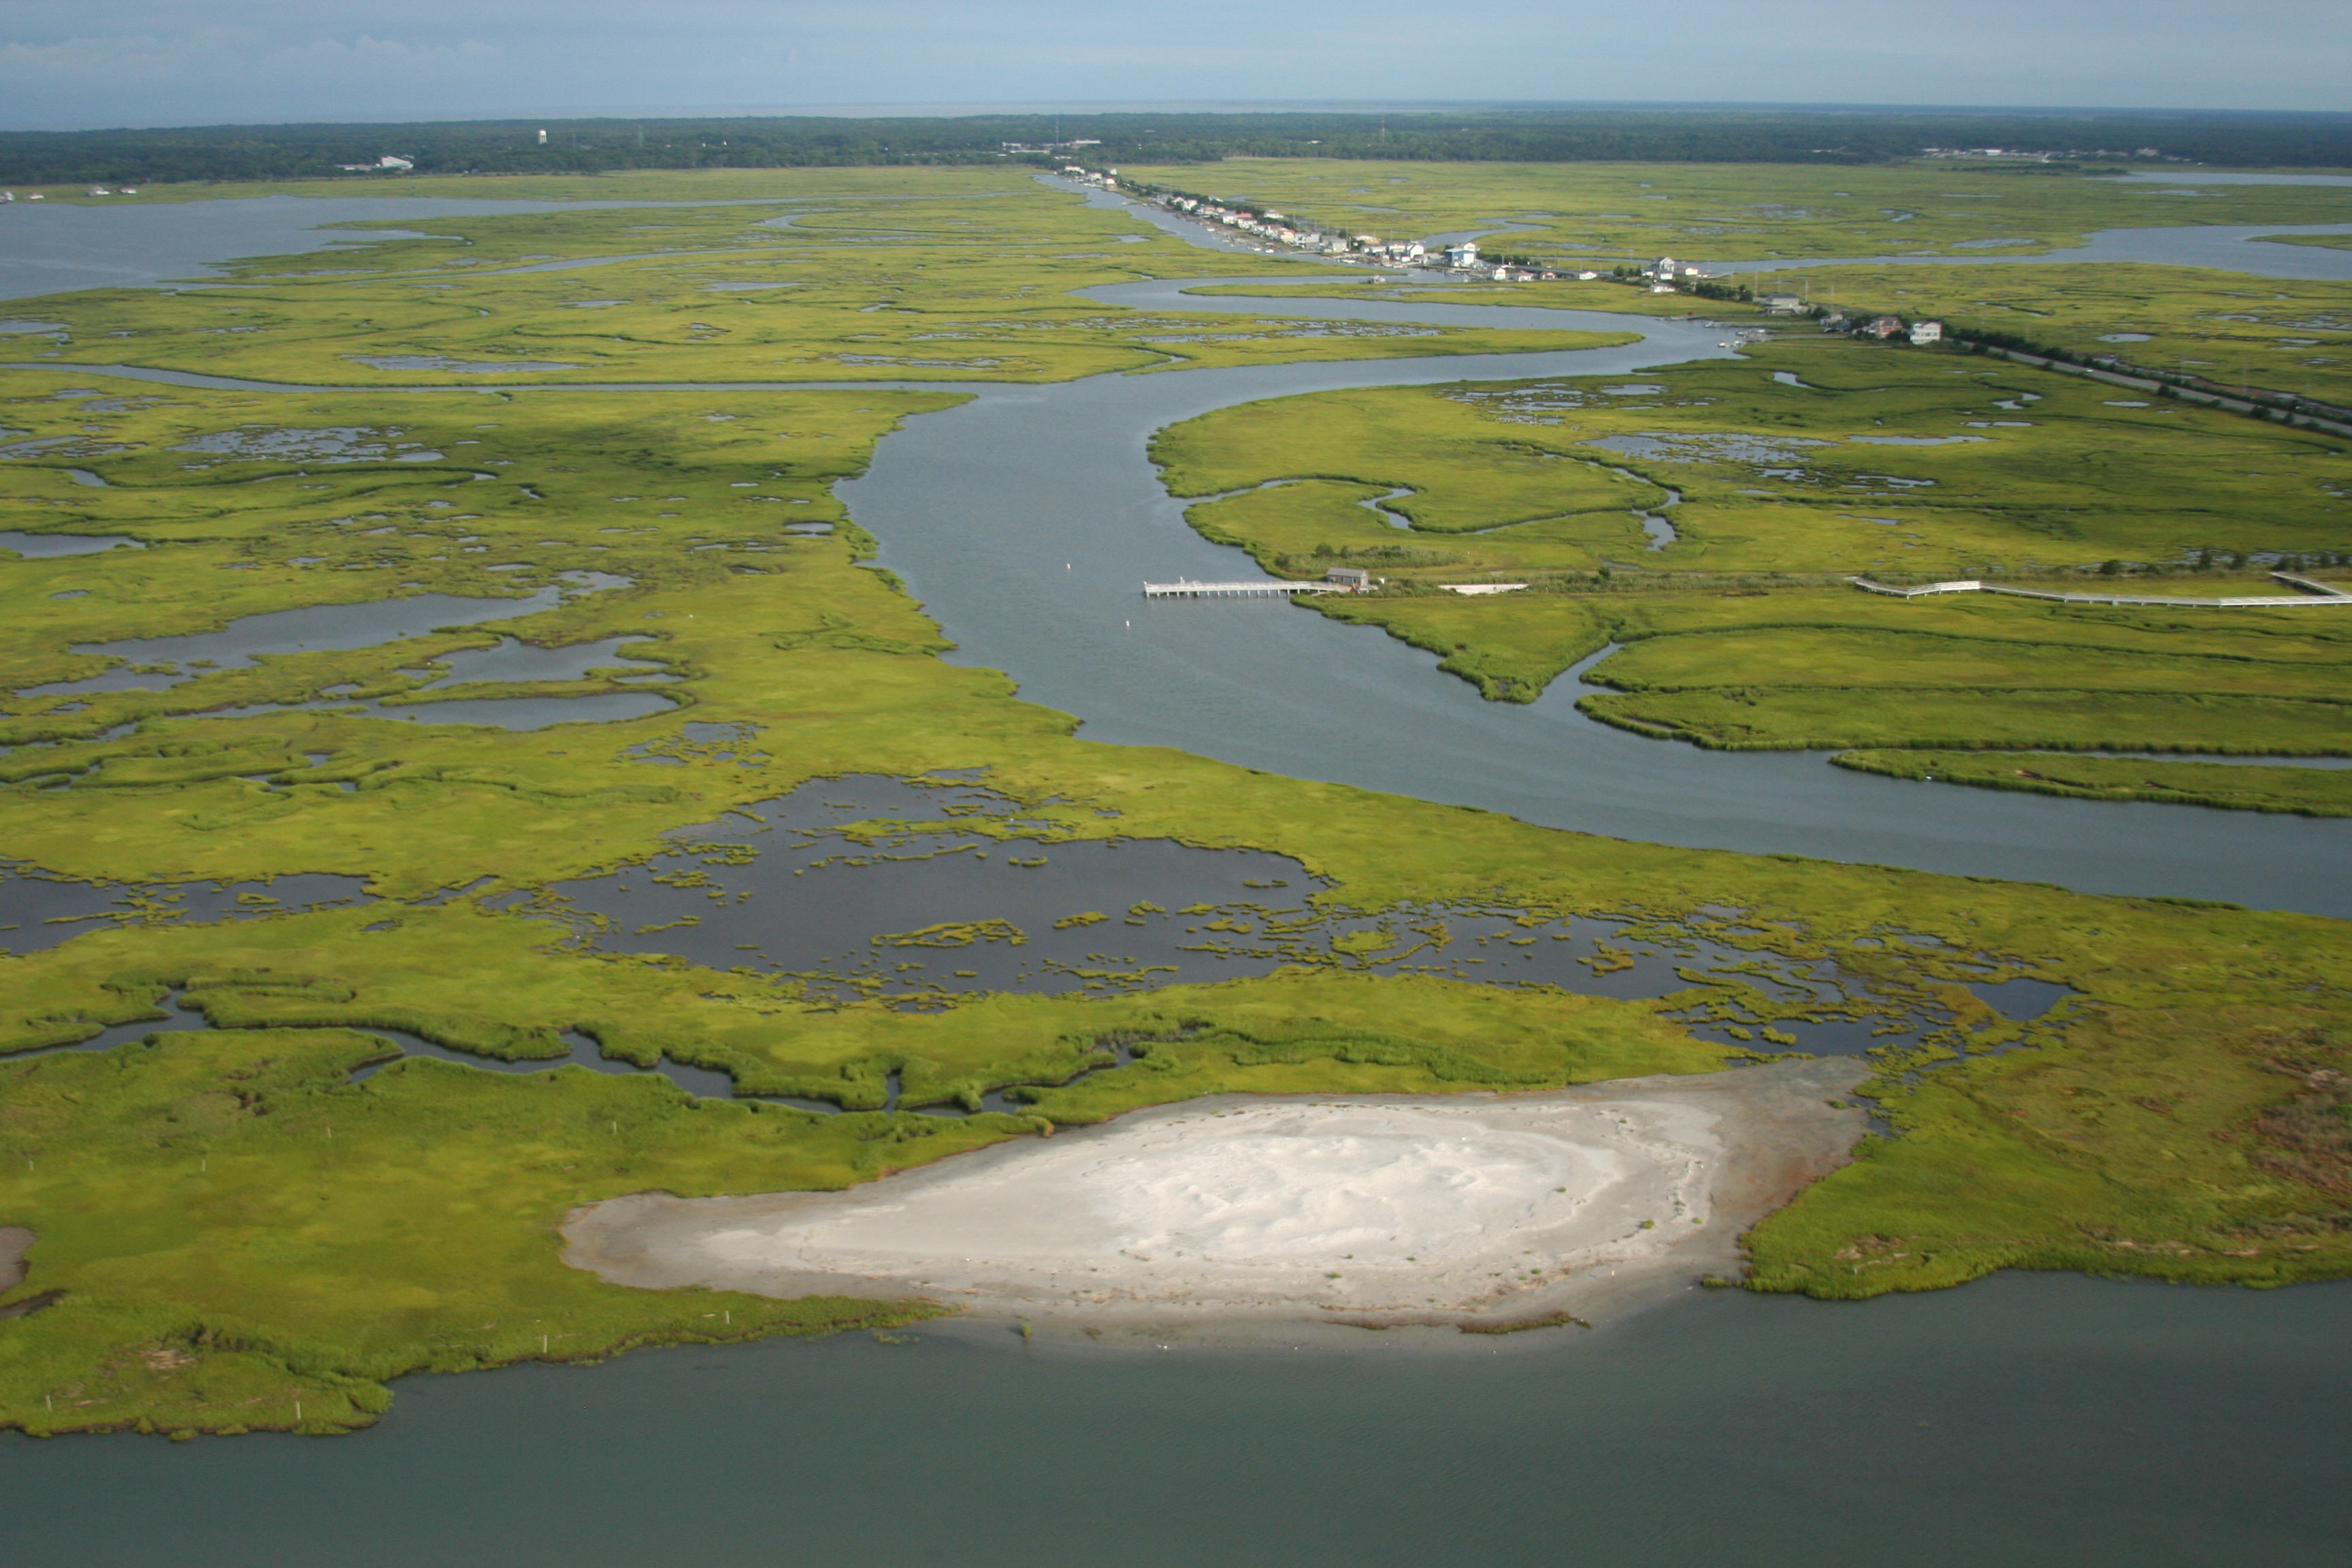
x=1666, y=275
x=1280, y=228
x=1884, y=327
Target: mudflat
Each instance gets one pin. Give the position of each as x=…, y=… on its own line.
x=14, y=1242
x=1477, y=1209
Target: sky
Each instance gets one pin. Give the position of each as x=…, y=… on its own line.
x=74, y=64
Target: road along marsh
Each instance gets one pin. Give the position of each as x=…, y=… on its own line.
x=1574, y=216
x=244, y=1237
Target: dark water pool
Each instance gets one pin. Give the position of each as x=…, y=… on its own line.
x=40, y=910
x=917, y=892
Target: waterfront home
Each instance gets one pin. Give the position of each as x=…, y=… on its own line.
x=1782, y=304
x=1882, y=327
x=1355, y=579
x=1927, y=331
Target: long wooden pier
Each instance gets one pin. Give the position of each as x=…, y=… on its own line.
x=2320, y=594
x=1265, y=588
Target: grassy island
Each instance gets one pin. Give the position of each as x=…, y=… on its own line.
x=243, y=1227
x=1783, y=476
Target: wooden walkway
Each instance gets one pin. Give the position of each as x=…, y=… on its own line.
x=1266, y=589
x=2319, y=593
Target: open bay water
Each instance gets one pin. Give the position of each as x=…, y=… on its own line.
x=2023, y=1419
x=133, y=243
x=2030, y=1421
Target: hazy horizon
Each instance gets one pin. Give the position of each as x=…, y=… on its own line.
x=570, y=115
x=134, y=63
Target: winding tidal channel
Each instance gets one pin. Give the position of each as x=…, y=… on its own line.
x=2026, y=1420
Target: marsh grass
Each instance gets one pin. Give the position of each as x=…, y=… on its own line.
x=1576, y=215
x=1734, y=636
x=218, y=1263
x=2307, y=792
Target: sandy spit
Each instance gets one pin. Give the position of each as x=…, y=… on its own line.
x=1474, y=1210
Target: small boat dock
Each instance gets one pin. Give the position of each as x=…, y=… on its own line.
x=1264, y=589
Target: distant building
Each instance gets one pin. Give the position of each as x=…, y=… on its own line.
x=1355, y=579
x=1927, y=331
x=1462, y=255
x=1663, y=270
x=1835, y=321
x=1881, y=326
x=1782, y=304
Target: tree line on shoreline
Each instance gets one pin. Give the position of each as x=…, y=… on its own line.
x=1516, y=135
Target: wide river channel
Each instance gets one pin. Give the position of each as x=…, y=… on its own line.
x=2021, y=1420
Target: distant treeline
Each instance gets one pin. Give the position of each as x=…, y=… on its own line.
x=1695, y=135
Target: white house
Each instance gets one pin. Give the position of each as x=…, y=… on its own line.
x=1462, y=255
x=1927, y=331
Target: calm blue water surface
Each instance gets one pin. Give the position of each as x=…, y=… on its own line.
x=2024, y=1421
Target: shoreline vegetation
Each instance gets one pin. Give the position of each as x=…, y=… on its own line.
x=224, y=1223
x=2303, y=791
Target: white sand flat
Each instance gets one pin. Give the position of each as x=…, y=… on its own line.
x=1370, y=1206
